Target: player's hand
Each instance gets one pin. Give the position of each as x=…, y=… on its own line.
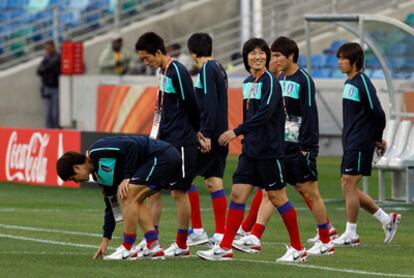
x=102, y=249
x=123, y=189
x=381, y=147
x=204, y=142
x=226, y=137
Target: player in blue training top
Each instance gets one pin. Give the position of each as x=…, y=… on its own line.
x=301, y=149
x=261, y=161
x=211, y=92
x=132, y=167
x=176, y=121
x=363, y=125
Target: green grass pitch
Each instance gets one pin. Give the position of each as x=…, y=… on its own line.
x=54, y=232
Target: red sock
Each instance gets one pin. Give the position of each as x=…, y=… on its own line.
x=128, y=240
x=151, y=237
x=323, y=230
x=234, y=219
x=219, y=203
x=181, y=239
x=254, y=209
x=288, y=213
x=195, y=208
x=258, y=230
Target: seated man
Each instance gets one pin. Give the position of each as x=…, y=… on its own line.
x=135, y=167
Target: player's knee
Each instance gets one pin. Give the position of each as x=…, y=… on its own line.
x=347, y=184
x=212, y=186
x=237, y=197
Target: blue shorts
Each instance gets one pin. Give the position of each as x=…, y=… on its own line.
x=263, y=173
x=160, y=171
x=301, y=168
x=357, y=162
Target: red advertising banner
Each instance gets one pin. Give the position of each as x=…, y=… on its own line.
x=29, y=155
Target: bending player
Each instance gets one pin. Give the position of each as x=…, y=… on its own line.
x=134, y=167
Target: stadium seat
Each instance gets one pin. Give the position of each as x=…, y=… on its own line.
x=398, y=144
x=378, y=74
x=337, y=44
x=406, y=158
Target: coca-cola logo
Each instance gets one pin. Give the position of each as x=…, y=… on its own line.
x=27, y=162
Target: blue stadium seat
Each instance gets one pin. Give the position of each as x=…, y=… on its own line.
x=378, y=74
x=17, y=4
x=318, y=60
x=336, y=44
x=302, y=60
x=338, y=74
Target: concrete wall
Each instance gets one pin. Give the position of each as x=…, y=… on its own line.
x=20, y=101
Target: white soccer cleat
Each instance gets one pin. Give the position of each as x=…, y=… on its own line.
x=293, y=256
x=174, y=252
x=248, y=244
x=121, y=253
x=197, y=239
x=155, y=253
x=140, y=246
x=391, y=228
x=241, y=233
x=346, y=239
x=216, y=254
x=332, y=234
x=215, y=239
x=319, y=249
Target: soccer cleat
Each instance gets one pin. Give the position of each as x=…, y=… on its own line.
x=140, y=246
x=346, y=239
x=121, y=253
x=215, y=239
x=241, y=233
x=332, y=234
x=174, y=252
x=248, y=244
x=320, y=248
x=293, y=256
x=155, y=253
x=197, y=239
x=216, y=254
x=391, y=228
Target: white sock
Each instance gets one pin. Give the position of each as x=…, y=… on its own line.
x=198, y=231
x=382, y=217
x=351, y=228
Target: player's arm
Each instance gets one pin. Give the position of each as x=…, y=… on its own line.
x=183, y=84
x=373, y=106
x=108, y=228
x=309, y=124
x=207, y=77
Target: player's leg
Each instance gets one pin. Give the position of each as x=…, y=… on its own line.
x=251, y=243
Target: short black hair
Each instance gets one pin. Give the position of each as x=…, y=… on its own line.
x=353, y=52
x=201, y=44
x=250, y=45
x=150, y=42
x=286, y=46
x=64, y=165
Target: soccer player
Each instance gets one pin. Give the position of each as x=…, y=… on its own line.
x=176, y=121
x=363, y=125
x=134, y=167
x=260, y=163
x=248, y=223
x=301, y=148
x=211, y=91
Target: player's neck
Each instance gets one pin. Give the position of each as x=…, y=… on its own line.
x=257, y=73
x=202, y=60
x=164, y=61
x=292, y=69
x=351, y=74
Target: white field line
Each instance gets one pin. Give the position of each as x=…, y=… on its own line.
x=49, y=241
x=266, y=243
x=309, y=266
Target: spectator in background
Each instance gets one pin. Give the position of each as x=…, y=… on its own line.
x=174, y=50
x=49, y=71
x=115, y=59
